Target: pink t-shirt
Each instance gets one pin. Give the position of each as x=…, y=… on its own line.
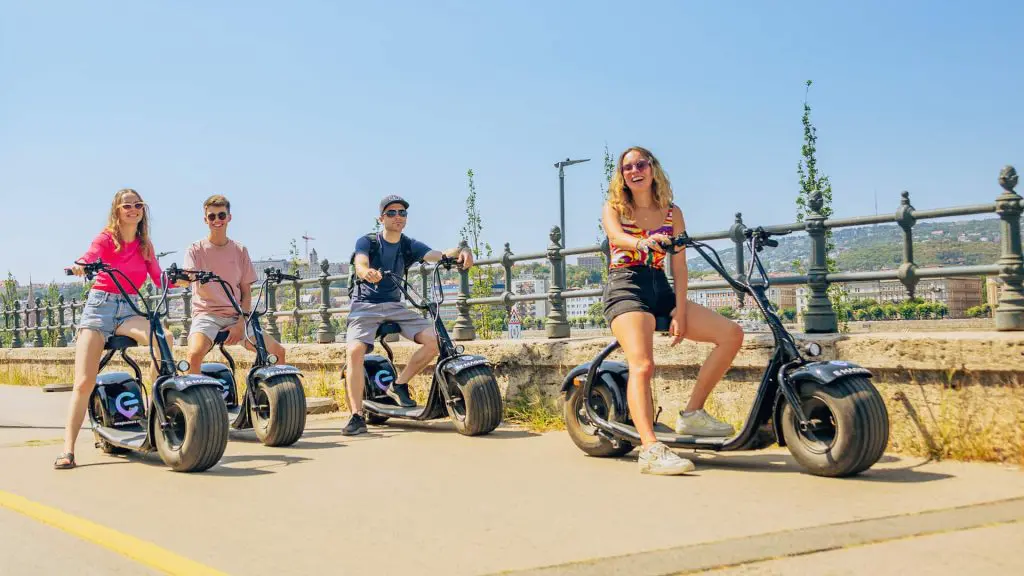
x=231, y=262
x=128, y=260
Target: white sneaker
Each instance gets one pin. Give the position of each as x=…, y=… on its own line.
x=658, y=459
x=700, y=423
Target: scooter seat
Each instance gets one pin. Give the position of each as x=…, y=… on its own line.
x=221, y=337
x=388, y=328
x=119, y=343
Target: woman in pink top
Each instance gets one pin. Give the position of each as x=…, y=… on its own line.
x=125, y=245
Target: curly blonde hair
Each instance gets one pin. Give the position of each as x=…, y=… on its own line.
x=621, y=198
x=141, y=232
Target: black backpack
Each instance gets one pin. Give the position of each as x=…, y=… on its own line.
x=405, y=245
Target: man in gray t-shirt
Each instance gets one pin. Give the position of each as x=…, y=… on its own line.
x=376, y=300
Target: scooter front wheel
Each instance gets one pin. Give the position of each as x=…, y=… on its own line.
x=849, y=427
x=477, y=405
x=279, y=413
x=197, y=429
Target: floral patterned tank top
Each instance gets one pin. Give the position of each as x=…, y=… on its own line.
x=624, y=258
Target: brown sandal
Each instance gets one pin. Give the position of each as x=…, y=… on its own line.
x=69, y=458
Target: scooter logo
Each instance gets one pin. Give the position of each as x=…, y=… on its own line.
x=127, y=404
x=383, y=378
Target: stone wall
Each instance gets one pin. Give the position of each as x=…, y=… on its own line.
x=948, y=393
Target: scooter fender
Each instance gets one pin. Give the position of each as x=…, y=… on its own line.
x=462, y=363
x=610, y=373
x=268, y=372
x=824, y=373
x=185, y=381
x=827, y=372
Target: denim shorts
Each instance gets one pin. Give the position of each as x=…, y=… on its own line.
x=104, y=312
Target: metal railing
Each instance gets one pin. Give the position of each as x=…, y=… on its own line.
x=820, y=317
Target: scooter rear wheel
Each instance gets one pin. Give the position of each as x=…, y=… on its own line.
x=279, y=416
x=851, y=427
x=197, y=431
x=478, y=409
x=583, y=433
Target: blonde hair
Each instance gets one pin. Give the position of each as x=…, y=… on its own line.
x=141, y=232
x=621, y=198
x=217, y=200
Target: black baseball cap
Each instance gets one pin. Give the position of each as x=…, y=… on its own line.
x=392, y=199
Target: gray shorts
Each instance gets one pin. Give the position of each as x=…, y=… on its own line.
x=105, y=312
x=209, y=325
x=365, y=317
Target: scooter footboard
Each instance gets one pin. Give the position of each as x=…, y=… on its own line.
x=118, y=401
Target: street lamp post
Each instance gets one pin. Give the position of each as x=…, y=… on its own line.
x=561, y=190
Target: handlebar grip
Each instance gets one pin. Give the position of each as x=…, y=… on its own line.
x=69, y=272
x=771, y=243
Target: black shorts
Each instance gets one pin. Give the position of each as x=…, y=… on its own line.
x=638, y=289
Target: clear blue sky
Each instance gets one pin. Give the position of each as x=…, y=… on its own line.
x=305, y=113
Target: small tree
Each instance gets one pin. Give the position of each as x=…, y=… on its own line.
x=488, y=319
x=815, y=184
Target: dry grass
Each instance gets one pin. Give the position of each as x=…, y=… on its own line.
x=534, y=411
x=15, y=375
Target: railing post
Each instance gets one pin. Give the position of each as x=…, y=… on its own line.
x=1010, y=311
x=506, y=263
x=38, y=340
x=16, y=338
x=736, y=235
x=7, y=326
x=49, y=323
x=463, y=329
x=74, y=317
x=556, y=325
x=907, y=272
x=271, y=316
x=423, y=283
x=186, y=320
x=295, y=311
x=820, y=317
x=325, y=332
x=62, y=337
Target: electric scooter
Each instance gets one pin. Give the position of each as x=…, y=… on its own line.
x=827, y=413
x=182, y=419
x=463, y=385
x=274, y=404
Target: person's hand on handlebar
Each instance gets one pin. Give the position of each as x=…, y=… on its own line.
x=656, y=242
x=76, y=270
x=372, y=276
x=465, y=258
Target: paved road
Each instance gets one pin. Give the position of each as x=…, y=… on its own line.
x=423, y=499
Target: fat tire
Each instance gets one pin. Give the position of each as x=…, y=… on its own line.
x=862, y=427
x=287, y=418
x=206, y=429
x=592, y=444
x=482, y=398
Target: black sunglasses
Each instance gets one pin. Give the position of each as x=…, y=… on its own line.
x=393, y=213
x=639, y=165
x=217, y=216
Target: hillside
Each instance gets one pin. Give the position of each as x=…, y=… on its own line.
x=880, y=247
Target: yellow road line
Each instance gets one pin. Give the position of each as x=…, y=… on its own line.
x=139, y=550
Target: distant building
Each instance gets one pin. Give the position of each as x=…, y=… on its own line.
x=993, y=287
x=580, y=307
x=591, y=263
x=958, y=294
x=527, y=284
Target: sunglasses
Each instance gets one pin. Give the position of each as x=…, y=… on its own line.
x=640, y=165
x=137, y=206
x=217, y=216
x=393, y=213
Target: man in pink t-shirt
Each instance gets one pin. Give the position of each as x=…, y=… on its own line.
x=212, y=311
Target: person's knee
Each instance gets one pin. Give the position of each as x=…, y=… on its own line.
x=278, y=350
x=355, y=352
x=430, y=345
x=732, y=338
x=643, y=369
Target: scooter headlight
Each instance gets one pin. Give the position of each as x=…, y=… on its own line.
x=272, y=358
x=183, y=365
x=813, y=349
